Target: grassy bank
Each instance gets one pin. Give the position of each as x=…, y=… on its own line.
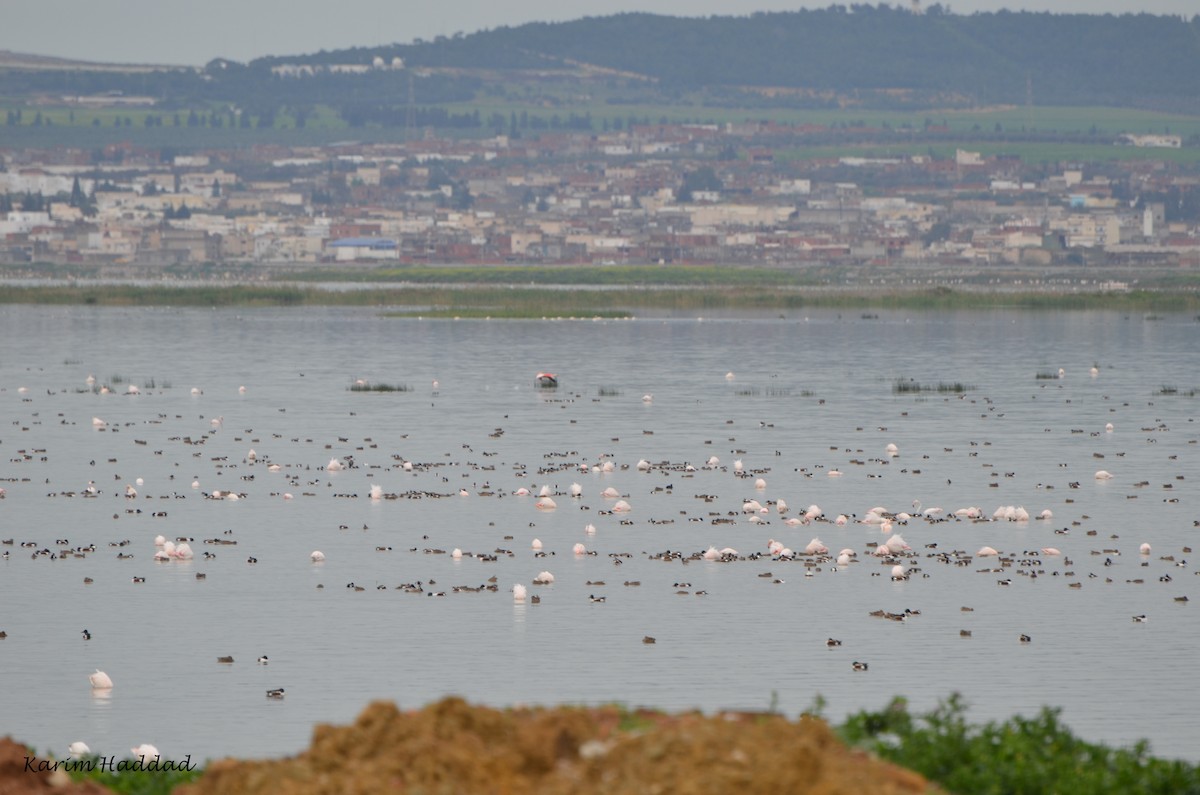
x=512, y=301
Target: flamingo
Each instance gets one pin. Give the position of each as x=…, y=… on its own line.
x=537, y=544
x=317, y=556
x=544, y=578
x=579, y=549
x=100, y=680
x=79, y=749
x=545, y=504
x=518, y=592
x=621, y=507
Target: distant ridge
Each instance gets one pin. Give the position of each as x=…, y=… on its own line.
x=1003, y=57
x=860, y=56
x=20, y=60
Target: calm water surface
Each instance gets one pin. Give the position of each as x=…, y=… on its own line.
x=808, y=394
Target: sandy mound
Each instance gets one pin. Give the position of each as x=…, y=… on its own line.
x=16, y=780
x=451, y=747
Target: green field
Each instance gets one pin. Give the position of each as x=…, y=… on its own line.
x=1092, y=128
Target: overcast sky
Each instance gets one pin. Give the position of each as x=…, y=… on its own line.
x=196, y=31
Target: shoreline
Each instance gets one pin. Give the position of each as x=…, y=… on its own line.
x=610, y=292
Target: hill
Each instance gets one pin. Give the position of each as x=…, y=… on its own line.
x=936, y=57
x=600, y=72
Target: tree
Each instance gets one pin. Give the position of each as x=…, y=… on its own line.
x=703, y=178
x=78, y=199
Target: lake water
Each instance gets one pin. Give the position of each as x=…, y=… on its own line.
x=808, y=394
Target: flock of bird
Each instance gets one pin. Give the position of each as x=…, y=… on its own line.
x=589, y=485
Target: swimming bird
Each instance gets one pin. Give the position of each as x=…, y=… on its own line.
x=1026, y=639
x=833, y=642
x=262, y=660
x=544, y=578
x=317, y=556
x=1139, y=619
x=276, y=693
x=100, y=680
x=79, y=749
x=858, y=666
x=518, y=592
x=648, y=640
x=144, y=752
x=87, y=635
x=226, y=660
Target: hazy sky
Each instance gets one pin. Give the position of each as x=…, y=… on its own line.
x=196, y=31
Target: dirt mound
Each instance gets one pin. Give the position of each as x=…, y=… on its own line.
x=19, y=778
x=452, y=747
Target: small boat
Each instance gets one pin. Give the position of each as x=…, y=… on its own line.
x=547, y=380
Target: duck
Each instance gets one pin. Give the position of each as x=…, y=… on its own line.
x=833, y=642
x=276, y=693
x=1139, y=619
x=594, y=598
x=87, y=635
x=1026, y=639
x=225, y=659
x=262, y=660
x=858, y=666
x=647, y=639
